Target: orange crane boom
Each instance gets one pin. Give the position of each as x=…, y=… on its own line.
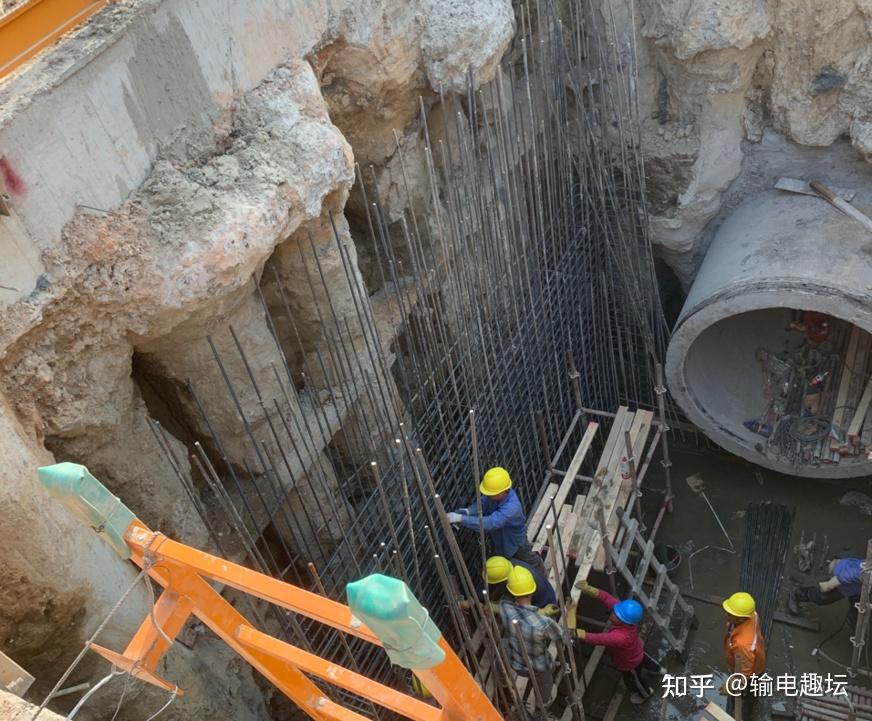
x=385, y=603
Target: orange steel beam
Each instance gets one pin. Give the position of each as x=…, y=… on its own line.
x=453, y=686
x=160, y=548
x=37, y=24
x=182, y=571
x=216, y=613
x=147, y=647
x=338, y=675
x=134, y=668
x=171, y=612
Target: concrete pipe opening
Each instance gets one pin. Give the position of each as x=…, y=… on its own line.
x=772, y=354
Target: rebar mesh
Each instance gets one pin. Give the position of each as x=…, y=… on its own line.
x=534, y=250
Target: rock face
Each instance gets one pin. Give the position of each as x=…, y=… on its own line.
x=14, y=708
x=460, y=37
x=205, y=161
x=172, y=263
x=689, y=28
x=718, y=79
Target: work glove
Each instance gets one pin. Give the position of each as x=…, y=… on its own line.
x=581, y=633
x=829, y=585
x=550, y=610
x=454, y=518
x=587, y=589
x=465, y=604
x=495, y=608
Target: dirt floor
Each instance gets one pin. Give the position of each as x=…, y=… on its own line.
x=731, y=484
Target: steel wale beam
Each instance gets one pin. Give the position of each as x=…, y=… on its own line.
x=37, y=24
x=157, y=547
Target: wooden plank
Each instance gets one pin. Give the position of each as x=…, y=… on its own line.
x=718, y=713
x=567, y=528
x=604, y=467
x=858, y=383
x=13, y=678
x=860, y=413
x=578, y=504
x=591, y=537
x=614, y=705
x=540, y=513
x=639, y=433
x=845, y=379
x=592, y=663
x=565, y=487
x=542, y=539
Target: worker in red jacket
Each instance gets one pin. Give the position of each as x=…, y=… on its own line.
x=628, y=653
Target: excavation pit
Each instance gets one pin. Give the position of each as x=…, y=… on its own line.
x=771, y=354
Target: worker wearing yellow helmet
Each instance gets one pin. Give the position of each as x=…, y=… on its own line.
x=502, y=518
x=528, y=633
x=497, y=570
x=744, y=647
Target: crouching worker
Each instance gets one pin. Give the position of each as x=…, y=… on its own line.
x=497, y=570
x=535, y=630
x=628, y=653
x=502, y=518
x=846, y=579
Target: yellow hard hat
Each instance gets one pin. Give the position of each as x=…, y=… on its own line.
x=419, y=688
x=495, y=481
x=497, y=569
x=740, y=604
x=520, y=582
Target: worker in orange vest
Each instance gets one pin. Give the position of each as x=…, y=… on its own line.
x=744, y=648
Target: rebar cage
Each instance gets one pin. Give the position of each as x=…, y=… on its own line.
x=532, y=258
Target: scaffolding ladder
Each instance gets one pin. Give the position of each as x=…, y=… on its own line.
x=671, y=613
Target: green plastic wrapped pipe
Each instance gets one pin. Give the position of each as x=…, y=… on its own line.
x=391, y=611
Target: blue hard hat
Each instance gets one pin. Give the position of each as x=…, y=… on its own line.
x=628, y=611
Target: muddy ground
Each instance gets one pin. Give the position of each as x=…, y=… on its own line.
x=731, y=484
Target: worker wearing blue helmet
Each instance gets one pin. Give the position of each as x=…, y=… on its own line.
x=628, y=653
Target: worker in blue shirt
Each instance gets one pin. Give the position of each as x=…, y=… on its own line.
x=502, y=519
x=846, y=580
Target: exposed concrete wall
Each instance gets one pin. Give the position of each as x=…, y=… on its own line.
x=144, y=79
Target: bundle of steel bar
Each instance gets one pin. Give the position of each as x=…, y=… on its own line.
x=534, y=249
x=764, y=554
x=854, y=705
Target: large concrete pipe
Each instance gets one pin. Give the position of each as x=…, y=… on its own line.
x=776, y=254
